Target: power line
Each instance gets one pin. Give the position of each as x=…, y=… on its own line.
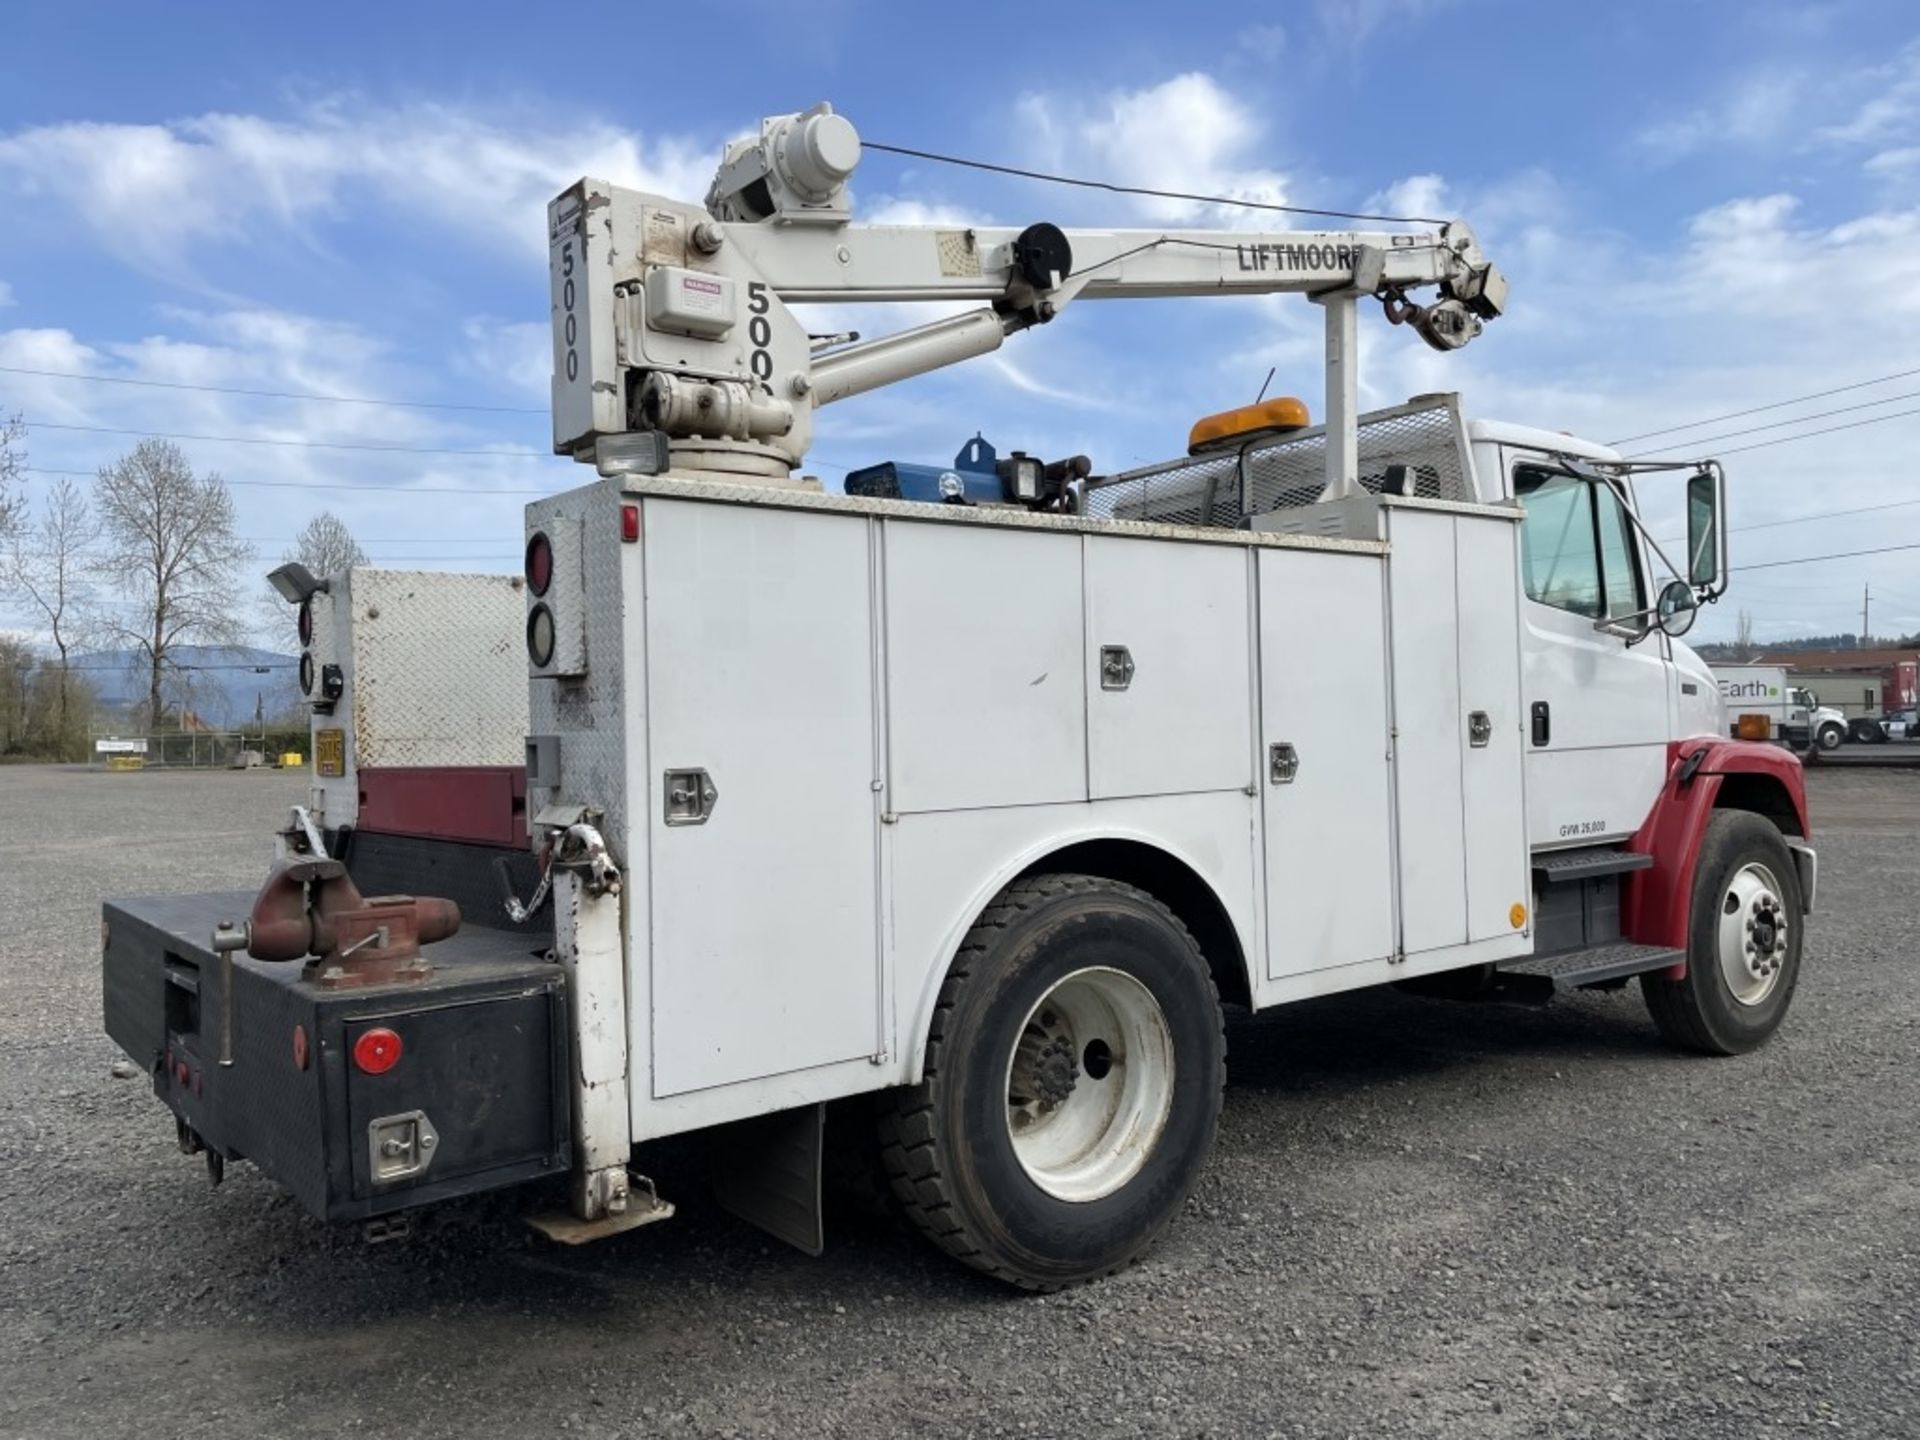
x=1810, y=559
x=270, y=394
x=1772, y=405
x=297, y=444
x=1801, y=419
x=1116, y=189
x=334, y=485
x=1829, y=430
x=1810, y=434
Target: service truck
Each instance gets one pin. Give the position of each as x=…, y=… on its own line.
x=1793, y=715
x=957, y=808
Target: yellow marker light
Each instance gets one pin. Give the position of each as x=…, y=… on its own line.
x=1279, y=416
x=1517, y=916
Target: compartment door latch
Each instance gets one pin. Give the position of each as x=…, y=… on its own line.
x=1116, y=667
x=400, y=1147
x=1283, y=763
x=690, y=797
x=1479, y=729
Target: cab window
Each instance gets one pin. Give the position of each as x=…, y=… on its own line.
x=1577, y=545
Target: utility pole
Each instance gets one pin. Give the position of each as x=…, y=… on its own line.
x=1866, y=604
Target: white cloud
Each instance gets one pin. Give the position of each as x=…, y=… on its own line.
x=1890, y=109
x=1186, y=134
x=6, y=294
x=149, y=193
x=1264, y=43
x=1755, y=108
x=520, y=352
x=900, y=210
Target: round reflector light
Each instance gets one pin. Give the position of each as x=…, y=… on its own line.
x=377, y=1050
x=540, y=636
x=306, y=674
x=306, y=621
x=539, y=563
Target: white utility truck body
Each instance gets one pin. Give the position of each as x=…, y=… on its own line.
x=975, y=792
x=1794, y=715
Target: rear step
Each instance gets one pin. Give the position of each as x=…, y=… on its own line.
x=1571, y=969
x=1565, y=867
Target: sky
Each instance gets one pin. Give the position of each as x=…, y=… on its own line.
x=1702, y=205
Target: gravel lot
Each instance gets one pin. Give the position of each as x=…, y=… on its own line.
x=1422, y=1219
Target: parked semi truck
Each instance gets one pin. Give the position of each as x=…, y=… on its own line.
x=958, y=808
x=1763, y=700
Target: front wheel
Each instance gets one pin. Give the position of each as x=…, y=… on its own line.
x=1831, y=735
x=1071, y=1089
x=1743, y=942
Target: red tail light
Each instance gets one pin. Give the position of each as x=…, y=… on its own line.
x=377, y=1050
x=629, y=523
x=539, y=563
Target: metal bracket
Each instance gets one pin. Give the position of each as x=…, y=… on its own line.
x=1116, y=667
x=690, y=797
x=1283, y=763
x=1479, y=729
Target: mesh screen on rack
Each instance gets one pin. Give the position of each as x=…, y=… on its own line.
x=1205, y=490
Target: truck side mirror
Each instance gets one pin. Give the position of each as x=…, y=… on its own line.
x=1706, y=537
x=1677, y=608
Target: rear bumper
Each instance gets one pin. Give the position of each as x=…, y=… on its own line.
x=266, y=1073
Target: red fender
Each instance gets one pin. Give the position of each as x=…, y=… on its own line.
x=1654, y=902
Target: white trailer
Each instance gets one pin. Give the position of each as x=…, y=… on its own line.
x=976, y=813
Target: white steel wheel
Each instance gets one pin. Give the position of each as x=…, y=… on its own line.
x=1090, y=1084
x=1752, y=933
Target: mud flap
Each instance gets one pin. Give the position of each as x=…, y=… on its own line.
x=767, y=1170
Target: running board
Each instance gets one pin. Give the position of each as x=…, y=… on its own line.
x=1565, y=867
x=1572, y=969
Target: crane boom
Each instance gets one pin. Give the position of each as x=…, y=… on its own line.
x=675, y=344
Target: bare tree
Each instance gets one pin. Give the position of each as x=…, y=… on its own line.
x=13, y=466
x=326, y=547
x=1743, y=635
x=46, y=564
x=170, y=549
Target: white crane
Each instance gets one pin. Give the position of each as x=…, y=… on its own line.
x=674, y=346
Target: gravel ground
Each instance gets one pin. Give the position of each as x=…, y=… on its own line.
x=1422, y=1219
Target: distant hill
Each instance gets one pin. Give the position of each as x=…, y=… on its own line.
x=225, y=685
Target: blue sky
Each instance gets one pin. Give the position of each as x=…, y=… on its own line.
x=1702, y=207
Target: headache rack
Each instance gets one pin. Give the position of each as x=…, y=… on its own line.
x=1228, y=488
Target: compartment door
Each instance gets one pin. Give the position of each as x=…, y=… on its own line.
x=1170, y=672
x=1430, y=726
x=760, y=664
x=1497, y=859
x=1323, y=692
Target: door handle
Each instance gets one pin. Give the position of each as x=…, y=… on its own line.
x=1116, y=667
x=1542, y=717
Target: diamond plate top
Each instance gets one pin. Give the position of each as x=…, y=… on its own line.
x=439, y=676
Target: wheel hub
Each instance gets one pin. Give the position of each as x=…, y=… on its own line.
x=1089, y=1084
x=1755, y=934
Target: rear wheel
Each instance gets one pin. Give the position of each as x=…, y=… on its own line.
x=1072, y=1085
x=1743, y=942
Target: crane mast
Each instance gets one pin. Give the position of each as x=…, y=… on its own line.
x=675, y=346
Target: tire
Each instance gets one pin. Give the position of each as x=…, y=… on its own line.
x=1831, y=735
x=1865, y=731
x=1745, y=862
x=1051, y=957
